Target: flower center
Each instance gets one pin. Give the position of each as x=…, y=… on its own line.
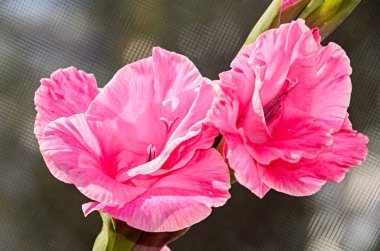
x=273, y=107
x=151, y=152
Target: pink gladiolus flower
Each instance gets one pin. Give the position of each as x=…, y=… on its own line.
x=139, y=147
x=283, y=113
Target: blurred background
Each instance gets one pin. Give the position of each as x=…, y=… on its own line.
x=37, y=212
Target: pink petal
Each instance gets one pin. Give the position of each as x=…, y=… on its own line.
x=71, y=145
x=178, y=200
x=294, y=138
x=293, y=179
x=137, y=86
x=90, y=207
x=332, y=96
x=347, y=126
x=349, y=150
x=67, y=92
x=254, y=114
x=185, y=151
x=245, y=168
x=129, y=93
x=173, y=74
x=224, y=113
x=308, y=175
x=239, y=82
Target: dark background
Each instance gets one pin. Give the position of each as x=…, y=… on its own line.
x=37, y=212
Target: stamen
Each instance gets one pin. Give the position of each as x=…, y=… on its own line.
x=168, y=123
x=274, y=102
x=151, y=152
x=271, y=115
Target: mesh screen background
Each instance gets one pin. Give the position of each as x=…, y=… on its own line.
x=37, y=212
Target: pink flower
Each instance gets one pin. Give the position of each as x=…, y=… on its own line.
x=139, y=147
x=283, y=113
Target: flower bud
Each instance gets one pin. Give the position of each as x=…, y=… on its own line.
x=326, y=15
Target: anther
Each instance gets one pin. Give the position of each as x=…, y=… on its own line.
x=271, y=115
x=151, y=152
x=274, y=102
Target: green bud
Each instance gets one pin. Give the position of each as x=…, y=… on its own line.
x=328, y=15
x=293, y=12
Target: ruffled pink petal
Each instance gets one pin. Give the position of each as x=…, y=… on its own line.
x=223, y=116
x=245, y=168
x=224, y=113
x=254, y=114
x=129, y=93
x=90, y=207
x=178, y=200
x=228, y=115
x=347, y=126
x=349, y=150
x=138, y=86
x=71, y=145
x=173, y=74
x=239, y=82
x=307, y=176
x=332, y=95
x=185, y=151
x=294, y=138
x=67, y=92
x=327, y=98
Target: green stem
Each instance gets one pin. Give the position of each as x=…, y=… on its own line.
x=267, y=21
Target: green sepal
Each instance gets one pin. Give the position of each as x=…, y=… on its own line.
x=115, y=237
